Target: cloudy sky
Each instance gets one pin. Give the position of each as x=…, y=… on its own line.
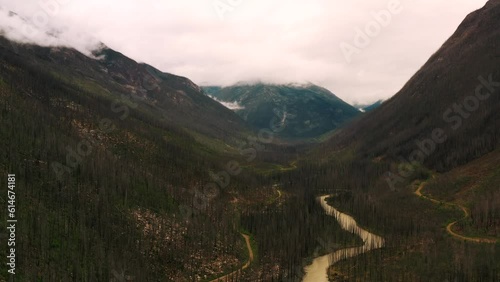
x=360, y=50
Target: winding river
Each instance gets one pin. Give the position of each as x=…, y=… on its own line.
x=317, y=271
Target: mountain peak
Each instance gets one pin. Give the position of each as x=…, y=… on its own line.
x=306, y=110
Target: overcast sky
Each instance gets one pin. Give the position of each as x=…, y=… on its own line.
x=222, y=42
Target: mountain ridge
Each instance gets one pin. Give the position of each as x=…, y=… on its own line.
x=392, y=129
x=312, y=110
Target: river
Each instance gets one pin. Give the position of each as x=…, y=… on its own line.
x=317, y=271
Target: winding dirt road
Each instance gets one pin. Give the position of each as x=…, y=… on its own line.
x=449, y=227
x=231, y=275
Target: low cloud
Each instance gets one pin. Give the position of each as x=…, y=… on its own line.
x=277, y=41
x=38, y=28
x=234, y=106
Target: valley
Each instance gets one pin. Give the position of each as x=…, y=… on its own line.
x=125, y=172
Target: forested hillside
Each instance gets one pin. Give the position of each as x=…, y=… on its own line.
x=127, y=173
x=110, y=158
x=308, y=110
x=422, y=169
x=455, y=91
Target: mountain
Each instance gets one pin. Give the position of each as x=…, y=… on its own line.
x=127, y=173
x=427, y=163
x=211, y=90
x=173, y=98
x=455, y=91
x=102, y=149
x=368, y=107
x=296, y=111
x=177, y=99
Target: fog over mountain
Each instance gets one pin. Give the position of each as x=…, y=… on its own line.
x=218, y=43
x=118, y=170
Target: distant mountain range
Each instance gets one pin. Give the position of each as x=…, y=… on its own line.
x=304, y=111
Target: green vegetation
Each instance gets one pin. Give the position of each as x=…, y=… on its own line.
x=113, y=159
x=293, y=112
x=116, y=206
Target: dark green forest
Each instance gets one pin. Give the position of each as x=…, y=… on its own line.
x=127, y=173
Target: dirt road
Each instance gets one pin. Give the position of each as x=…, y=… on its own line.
x=449, y=227
x=228, y=277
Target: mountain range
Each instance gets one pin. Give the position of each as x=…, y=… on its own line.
x=128, y=173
